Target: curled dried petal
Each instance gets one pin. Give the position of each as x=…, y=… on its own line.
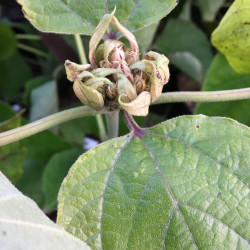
x=138, y=107
x=74, y=69
x=97, y=36
x=88, y=96
x=109, y=46
x=140, y=83
x=131, y=38
x=156, y=67
x=126, y=88
x=103, y=72
x=96, y=82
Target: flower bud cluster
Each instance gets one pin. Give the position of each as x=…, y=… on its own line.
x=116, y=79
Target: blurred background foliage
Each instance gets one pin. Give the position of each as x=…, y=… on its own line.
x=33, y=85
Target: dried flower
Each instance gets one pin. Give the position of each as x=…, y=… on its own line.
x=116, y=79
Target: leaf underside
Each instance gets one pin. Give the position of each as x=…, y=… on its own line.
x=81, y=16
x=183, y=185
x=24, y=226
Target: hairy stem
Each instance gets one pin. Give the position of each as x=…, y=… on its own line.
x=83, y=59
x=80, y=49
x=134, y=128
x=101, y=127
x=45, y=123
x=112, y=119
x=204, y=96
x=53, y=120
x=32, y=50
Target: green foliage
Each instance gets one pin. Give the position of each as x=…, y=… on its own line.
x=222, y=77
x=14, y=73
x=187, y=47
x=29, y=228
x=32, y=84
x=185, y=186
x=232, y=36
x=7, y=43
x=39, y=149
x=44, y=100
x=76, y=18
x=12, y=155
x=54, y=173
x=209, y=8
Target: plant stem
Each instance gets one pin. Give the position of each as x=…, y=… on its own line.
x=32, y=50
x=80, y=49
x=83, y=59
x=112, y=120
x=101, y=127
x=58, y=118
x=134, y=128
x=27, y=37
x=45, y=123
x=204, y=96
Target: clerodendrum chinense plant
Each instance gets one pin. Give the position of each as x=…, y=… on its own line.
x=183, y=184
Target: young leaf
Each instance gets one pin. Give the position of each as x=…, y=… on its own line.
x=24, y=226
x=80, y=16
x=232, y=36
x=183, y=185
x=171, y=42
x=222, y=77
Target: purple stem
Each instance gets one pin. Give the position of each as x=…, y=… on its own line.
x=134, y=128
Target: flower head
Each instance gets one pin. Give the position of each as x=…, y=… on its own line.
x=116, y=79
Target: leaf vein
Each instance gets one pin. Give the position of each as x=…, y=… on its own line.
x=133, y=10
x=170, y=192
x=212, y=216
x=202, y=153
x=76, y=14
x=107, y=183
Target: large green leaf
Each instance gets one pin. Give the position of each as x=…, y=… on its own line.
x=209, y=8
x=183, y=185
x=54, y=173
x=222, y=77
x=82, y=16
x=7, y=42
x=24, y=226
x=181, y=38
x=232, y=36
